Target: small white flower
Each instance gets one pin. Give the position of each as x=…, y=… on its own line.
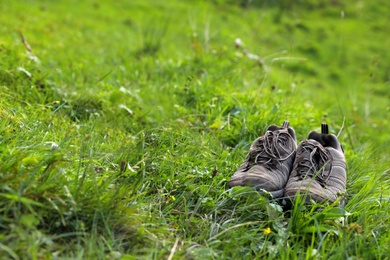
x=53, y=145
x=238, y=43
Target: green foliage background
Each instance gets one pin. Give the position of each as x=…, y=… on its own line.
x=122, y=121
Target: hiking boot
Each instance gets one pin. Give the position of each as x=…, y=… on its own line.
x=269, y=161
x=319, y=171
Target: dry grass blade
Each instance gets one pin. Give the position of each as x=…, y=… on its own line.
x=173, y=249
x=25, y=43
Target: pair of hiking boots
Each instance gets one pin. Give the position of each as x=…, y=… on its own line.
x=315, y=169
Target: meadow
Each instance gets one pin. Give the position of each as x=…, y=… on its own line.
x=121, y=123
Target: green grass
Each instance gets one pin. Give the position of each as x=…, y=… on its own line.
x=121, y=125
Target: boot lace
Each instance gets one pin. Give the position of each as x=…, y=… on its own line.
x=273, y=147
x=314, y=162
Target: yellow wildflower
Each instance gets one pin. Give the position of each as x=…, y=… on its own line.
x=267, y=231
